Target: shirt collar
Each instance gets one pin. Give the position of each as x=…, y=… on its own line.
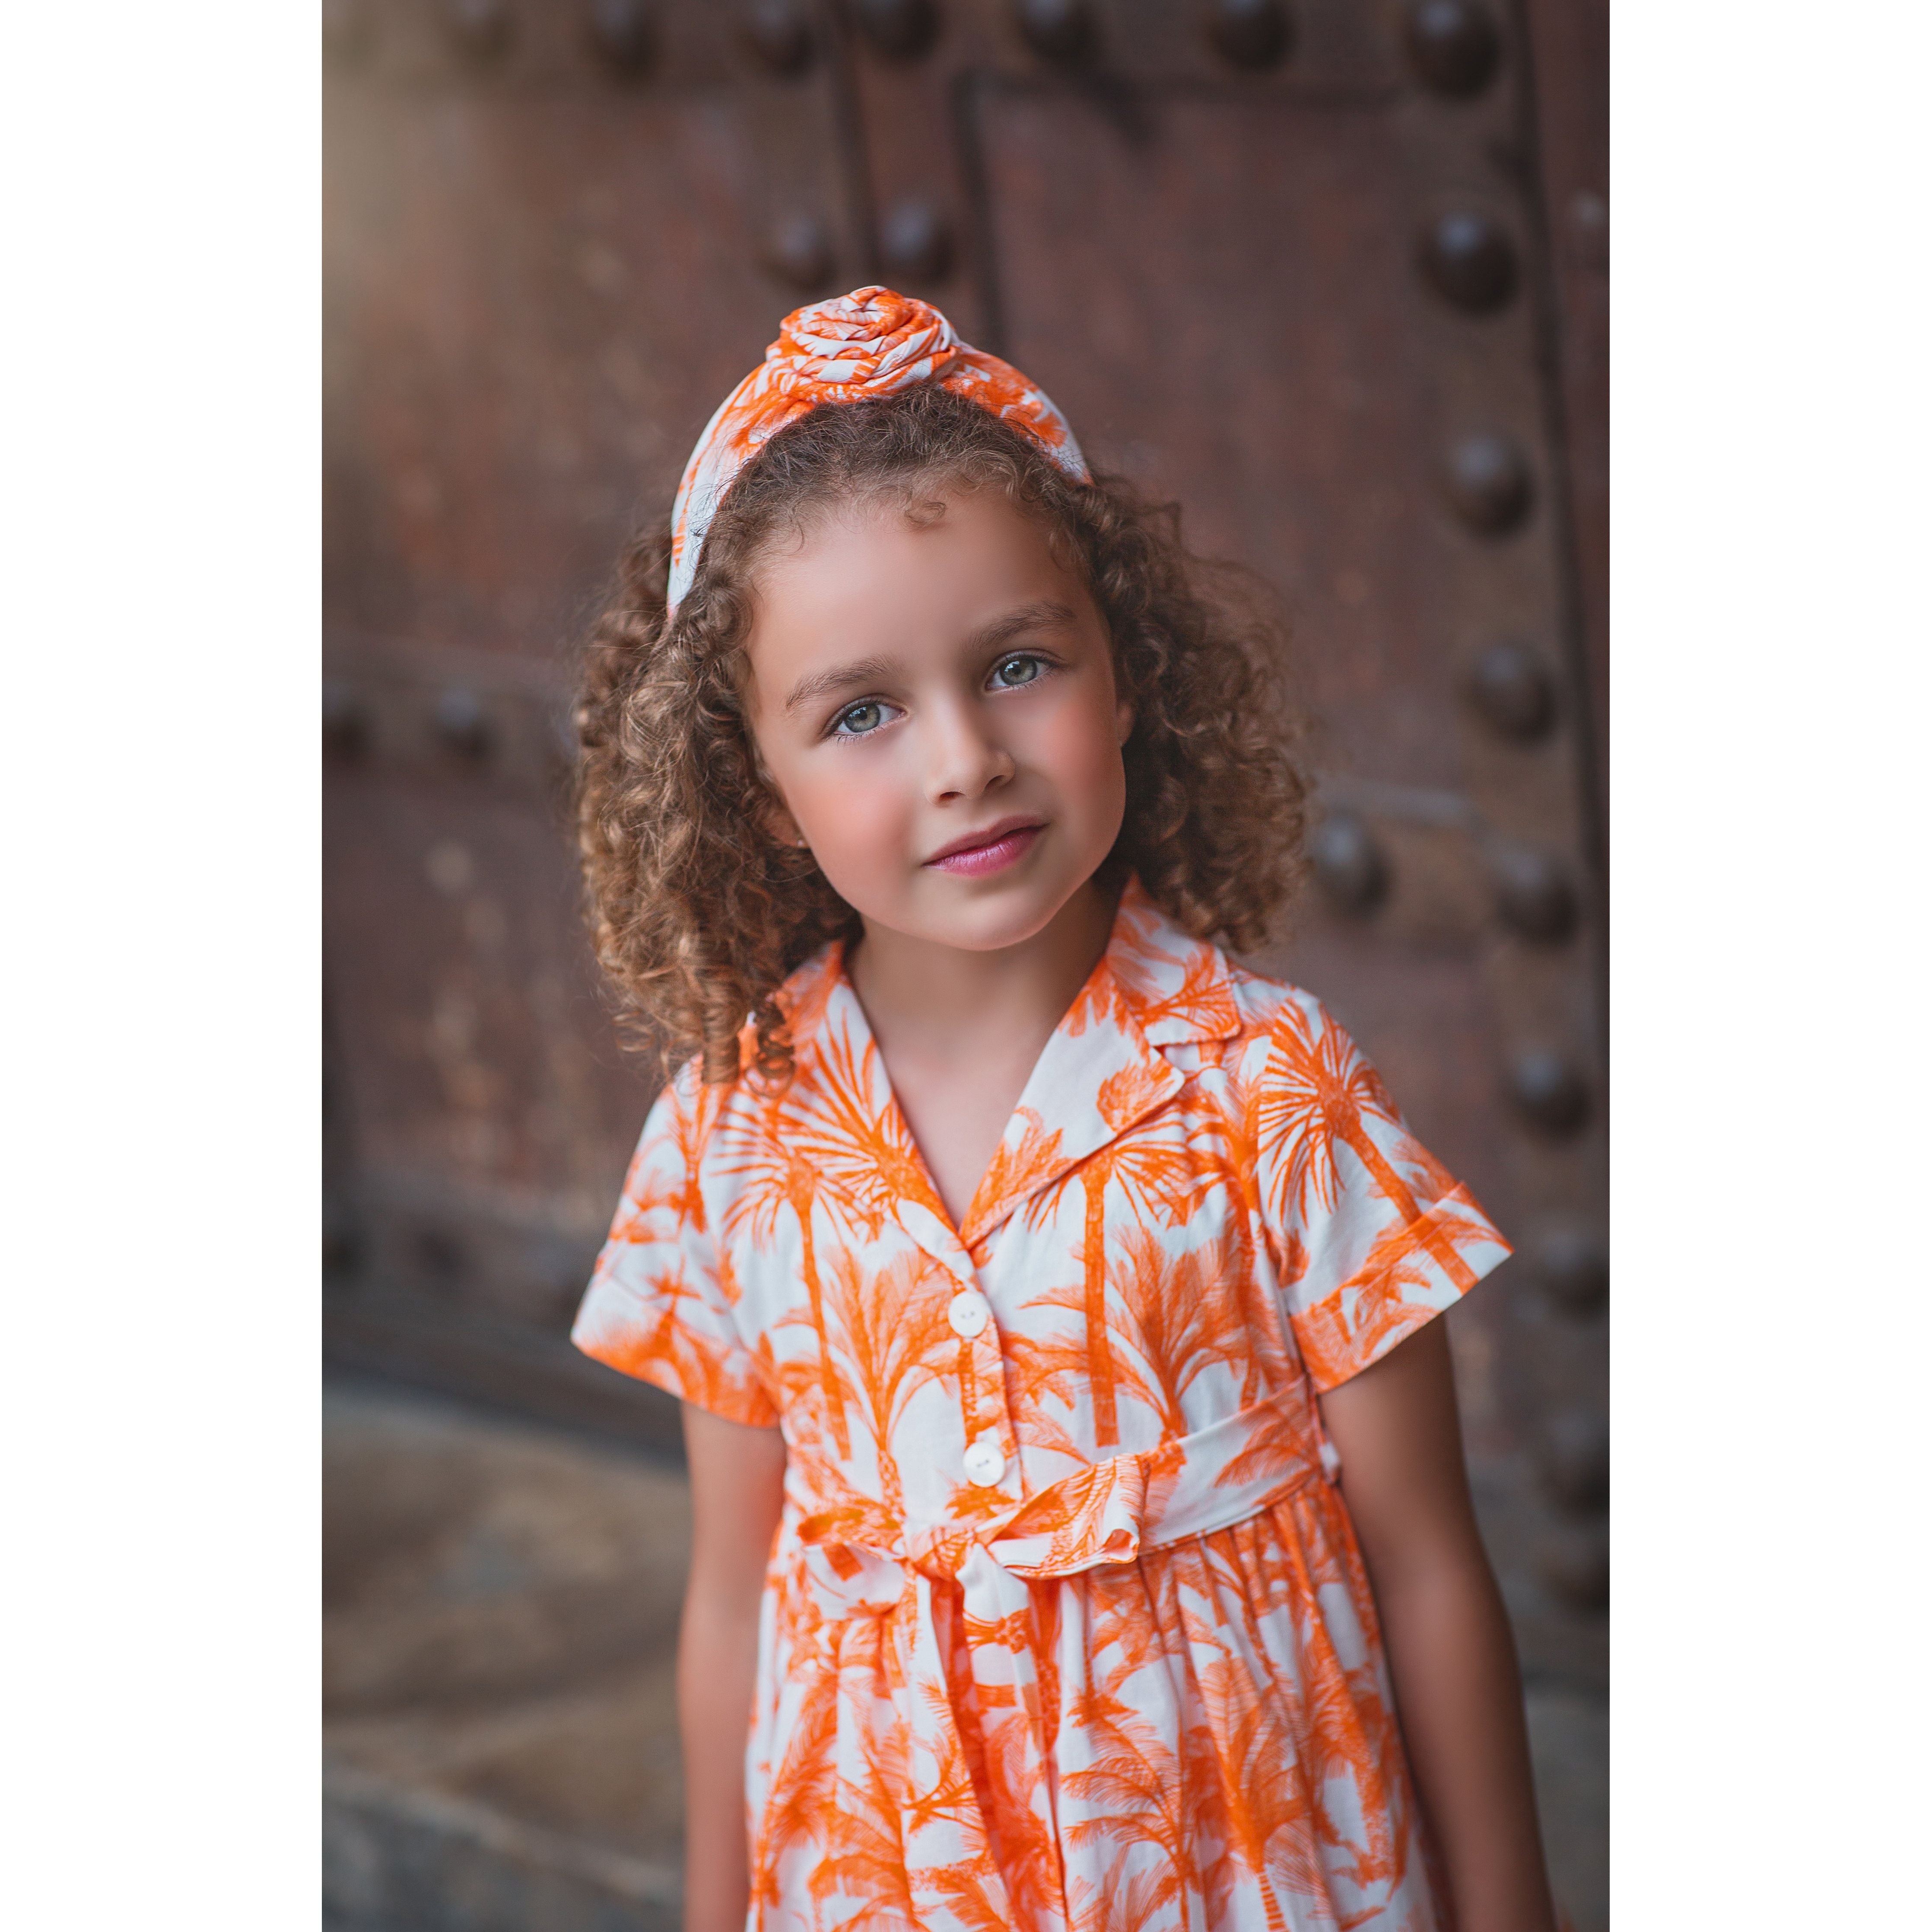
x=1100, y=1072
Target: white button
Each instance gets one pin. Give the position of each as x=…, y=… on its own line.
x=968, y=1313
x=984, y=1464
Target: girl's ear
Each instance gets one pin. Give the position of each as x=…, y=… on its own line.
x=1123, y=723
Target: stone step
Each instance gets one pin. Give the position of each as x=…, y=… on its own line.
x=499, y=1633
x=397, y=1858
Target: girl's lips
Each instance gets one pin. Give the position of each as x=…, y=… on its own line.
x=1002, y=849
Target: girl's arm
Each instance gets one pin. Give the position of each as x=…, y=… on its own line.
x=1458, y=1692
x=737, y=1486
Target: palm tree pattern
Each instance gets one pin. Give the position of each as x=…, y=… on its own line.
x=1065, y=1627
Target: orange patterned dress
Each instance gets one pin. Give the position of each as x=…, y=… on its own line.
x=1065, y=1625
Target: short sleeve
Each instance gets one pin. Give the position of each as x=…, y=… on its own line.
x=659, y=1305
x=1373, y=1238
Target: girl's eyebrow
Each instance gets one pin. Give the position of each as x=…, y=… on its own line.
x=1045, y=614
x=840, y=677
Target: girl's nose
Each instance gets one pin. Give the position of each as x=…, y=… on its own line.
x=962, y=760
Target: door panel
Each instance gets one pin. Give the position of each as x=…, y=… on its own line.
x=542, y=271
x=531, y=290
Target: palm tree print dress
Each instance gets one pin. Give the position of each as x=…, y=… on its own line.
x=1065, y=1627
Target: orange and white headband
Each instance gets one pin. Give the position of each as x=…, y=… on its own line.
x=871, y=343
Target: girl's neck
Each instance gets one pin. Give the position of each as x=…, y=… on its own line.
x=960, y=1032
x=937, y=1000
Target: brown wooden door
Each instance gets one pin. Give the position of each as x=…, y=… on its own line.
x=1316, y=281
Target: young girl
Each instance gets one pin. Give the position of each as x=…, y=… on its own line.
x=1082, y=1539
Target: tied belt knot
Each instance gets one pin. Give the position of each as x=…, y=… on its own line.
x=1106, y=1513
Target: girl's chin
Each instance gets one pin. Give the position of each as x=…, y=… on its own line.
x=976, y=915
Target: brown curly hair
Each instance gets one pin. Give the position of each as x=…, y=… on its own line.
x=699, y=913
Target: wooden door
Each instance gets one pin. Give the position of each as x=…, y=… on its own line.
x=1329, y=274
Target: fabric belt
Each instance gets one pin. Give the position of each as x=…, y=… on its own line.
x=1109, y=1512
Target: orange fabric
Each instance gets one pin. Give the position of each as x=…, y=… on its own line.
x=1066, y=1626
x=874, y=342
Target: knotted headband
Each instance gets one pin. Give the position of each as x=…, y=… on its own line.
x=871, y=343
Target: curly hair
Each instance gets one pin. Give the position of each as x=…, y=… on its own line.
x=699, y=912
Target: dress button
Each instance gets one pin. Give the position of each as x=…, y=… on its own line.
x=968, y=1313
x=984, y=1464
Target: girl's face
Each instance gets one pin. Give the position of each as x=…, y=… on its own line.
x=934, y=704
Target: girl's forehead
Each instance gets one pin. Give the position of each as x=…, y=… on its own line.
x=936, y=549
x=887, y=510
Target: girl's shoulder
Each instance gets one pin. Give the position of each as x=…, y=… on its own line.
x=691, y=1110
x=1282, y=1030
x=1183, y=990
x=1285, y=1015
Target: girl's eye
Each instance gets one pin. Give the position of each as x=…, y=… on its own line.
x=1020, y=668
x=855, y=720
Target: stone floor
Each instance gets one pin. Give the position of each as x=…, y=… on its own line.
x=499, y=1734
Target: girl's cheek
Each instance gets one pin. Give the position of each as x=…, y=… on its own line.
x=1077, y=745
x=856, y=798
